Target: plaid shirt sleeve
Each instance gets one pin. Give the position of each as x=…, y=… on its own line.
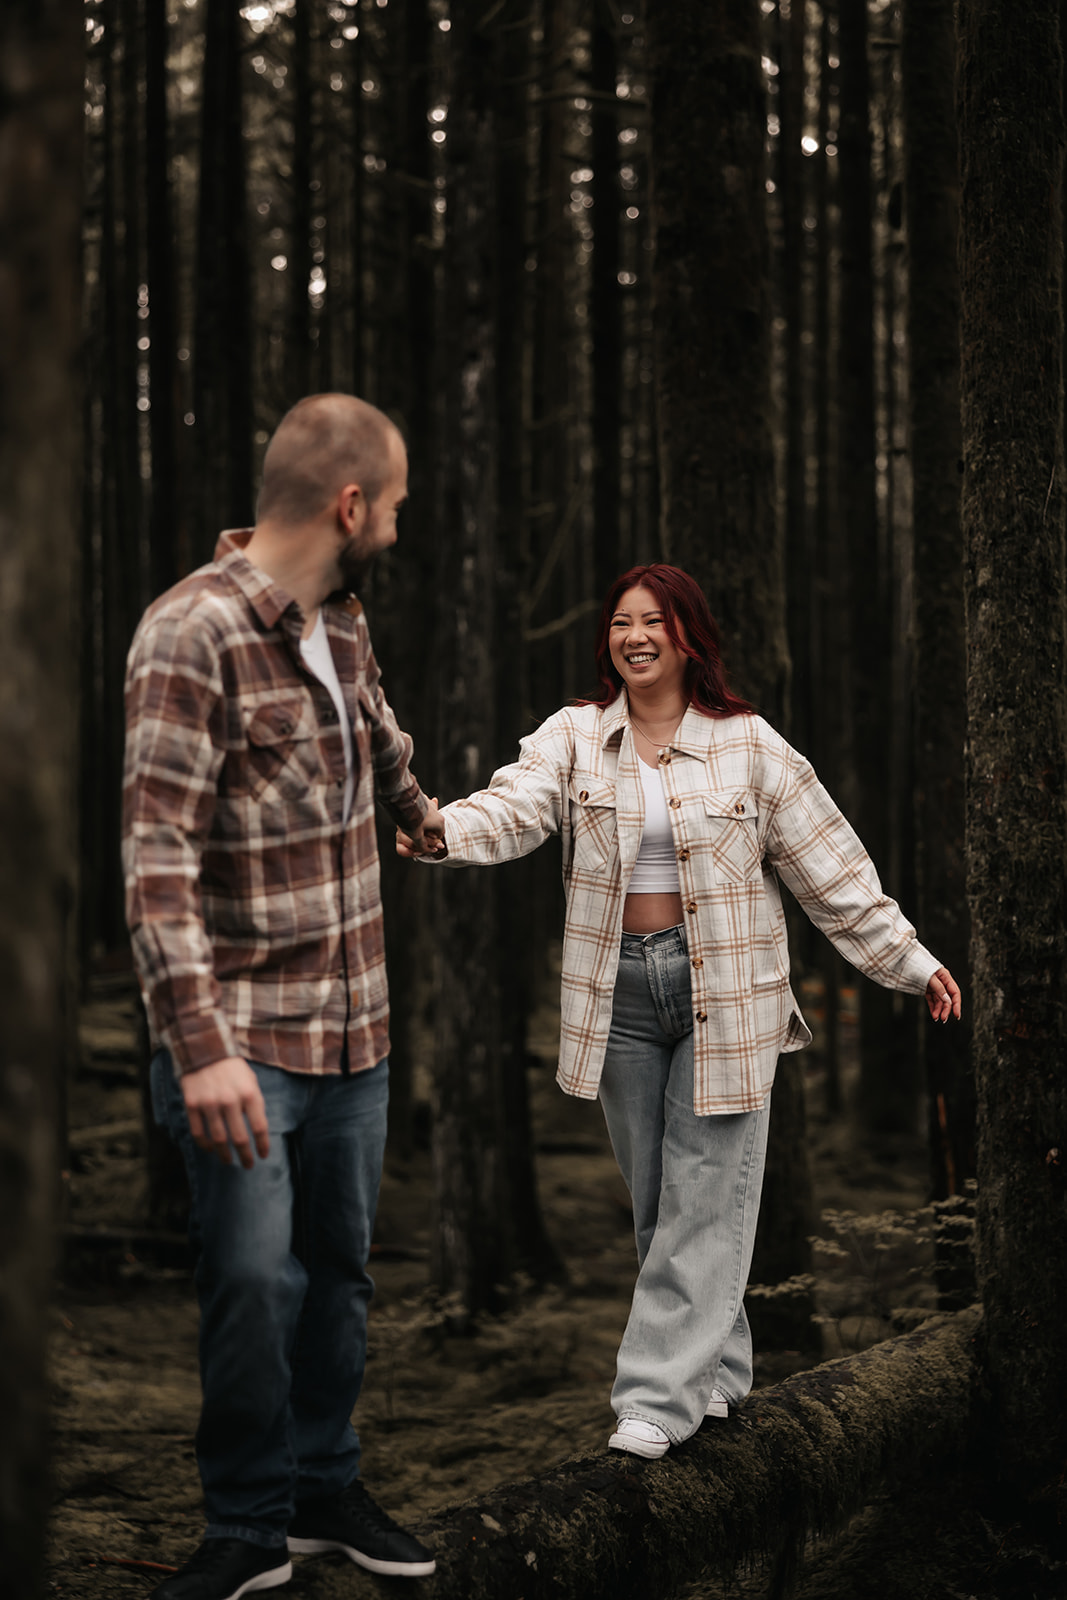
x=174, y=752
x=523, y=805
x=819, y=856
x=391, y=750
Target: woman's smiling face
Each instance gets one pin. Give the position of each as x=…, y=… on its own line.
x=642, y=652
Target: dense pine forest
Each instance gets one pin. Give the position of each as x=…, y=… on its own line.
x=769, y=289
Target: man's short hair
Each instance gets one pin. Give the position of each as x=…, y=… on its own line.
x=322, y=443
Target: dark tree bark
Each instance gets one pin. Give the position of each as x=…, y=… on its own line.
x=710, y=317
x=830, y=713
x=1011, y=284
x=797, y=1459
x=222, y=376
x=800, y=567
x=41, y=127
x=160, y=250
x=525, y=886
x=403, y=611
x=869, y=594
x=471, y=1251
x=605, y=302
x=298, y=347
x=931, y=201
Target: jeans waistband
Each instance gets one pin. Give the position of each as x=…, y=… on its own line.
x=663, y=939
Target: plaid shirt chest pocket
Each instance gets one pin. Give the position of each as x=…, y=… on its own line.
x=282, y=751
x=593, y=822
x=731, y=822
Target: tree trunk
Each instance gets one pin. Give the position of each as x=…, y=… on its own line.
x=605, y=304
x=222, y=397
x=795, y=1460
x=298, y=347
x=160, y=255
x=1011, y=282
x=41, y=127
x=710, y=327
x=471, y=1252
x=931, y=200
x=869, y=605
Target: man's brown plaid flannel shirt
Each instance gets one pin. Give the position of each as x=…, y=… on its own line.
x=253, y=908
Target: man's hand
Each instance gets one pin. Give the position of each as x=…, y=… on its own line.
x=225, y=1103
x=428, y=841
x=943, y=996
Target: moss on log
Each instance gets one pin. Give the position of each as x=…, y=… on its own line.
x=793, y=1460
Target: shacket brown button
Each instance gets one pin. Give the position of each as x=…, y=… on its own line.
x=698, y=961
x=739, y=808
x=665, y=758
x=584, y=796
x=675, y=803
x=683, y=855
x=702, y=1016
x=691, y=907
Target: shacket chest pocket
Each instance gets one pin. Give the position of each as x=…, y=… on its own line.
x=283, y=752
x=593, y=822
x=731, y=818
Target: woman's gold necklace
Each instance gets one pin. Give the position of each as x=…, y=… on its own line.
x=639, y=730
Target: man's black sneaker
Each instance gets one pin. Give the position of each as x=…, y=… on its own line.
x=352, y=1523
x=224, y=1569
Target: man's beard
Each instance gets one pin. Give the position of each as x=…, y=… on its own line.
x=353, y=567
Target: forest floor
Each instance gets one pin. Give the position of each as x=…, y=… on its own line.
x=443, y=1419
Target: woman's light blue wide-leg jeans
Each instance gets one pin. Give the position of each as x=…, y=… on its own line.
x=695, y=1184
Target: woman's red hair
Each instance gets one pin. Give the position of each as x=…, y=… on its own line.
x=691, y=628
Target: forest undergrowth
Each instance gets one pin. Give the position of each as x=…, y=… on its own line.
x=444, y=1419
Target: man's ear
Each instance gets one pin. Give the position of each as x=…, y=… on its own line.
x=351, y=507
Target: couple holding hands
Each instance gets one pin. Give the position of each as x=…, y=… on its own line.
x=258, y=740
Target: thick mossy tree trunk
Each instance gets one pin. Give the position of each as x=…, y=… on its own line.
x=794, y=1460
x=41, y=126
x=1011, y=282
x=931, y=203
x=713, y=399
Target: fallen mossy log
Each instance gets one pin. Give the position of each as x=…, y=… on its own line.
x=794, y=1460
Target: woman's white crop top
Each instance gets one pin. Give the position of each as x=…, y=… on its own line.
x=656, y=868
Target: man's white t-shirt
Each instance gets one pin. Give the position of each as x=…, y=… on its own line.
x=318, y=658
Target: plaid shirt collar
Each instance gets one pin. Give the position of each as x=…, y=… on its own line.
x=691, y=736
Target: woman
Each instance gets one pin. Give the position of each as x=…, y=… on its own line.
x=679, y=810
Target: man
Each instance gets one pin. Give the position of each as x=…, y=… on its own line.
x=257, y=738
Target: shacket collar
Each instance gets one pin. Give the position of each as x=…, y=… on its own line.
x=692, y=735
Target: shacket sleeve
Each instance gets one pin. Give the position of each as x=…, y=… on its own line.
x=394, y=783
x=522, y=805
x=174, y=707
x=820, y=858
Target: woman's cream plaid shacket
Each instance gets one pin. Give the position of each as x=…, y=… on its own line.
x=746, y=809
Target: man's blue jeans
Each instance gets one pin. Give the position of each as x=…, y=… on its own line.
x=695, y=1183
x=283, y=1287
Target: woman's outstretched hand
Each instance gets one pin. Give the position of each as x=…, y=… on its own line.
x=430, y=839
x=943, y=996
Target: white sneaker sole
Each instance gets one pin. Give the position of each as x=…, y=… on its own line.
x=717, y=1408
x=638, y=1447
x=386, y=1569
x=264, y=1580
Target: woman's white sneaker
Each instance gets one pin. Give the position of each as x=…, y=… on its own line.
x=718, y=1405
x=639, y=1438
